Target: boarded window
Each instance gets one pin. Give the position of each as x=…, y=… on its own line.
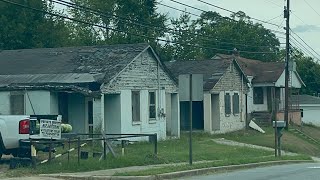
x=152, y=105
x=135, y=95
x=17, y=103
x=257, y=95
x=227, y=104
x=235, y=103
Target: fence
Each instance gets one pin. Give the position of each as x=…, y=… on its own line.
x=82, y=140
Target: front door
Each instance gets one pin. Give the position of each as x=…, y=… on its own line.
x=90, y=116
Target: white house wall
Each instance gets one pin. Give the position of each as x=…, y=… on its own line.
x=143, y=74
x=293, y=82
x=113, y=113
x=257, y=107
x=232, y=122
x=97, y=119
x=5, y=102
x=39, y=100
x=311, y=114
x=145, y=126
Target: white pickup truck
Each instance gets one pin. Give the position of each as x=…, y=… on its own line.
x=14, y=128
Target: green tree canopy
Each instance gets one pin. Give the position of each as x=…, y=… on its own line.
x=25, y=28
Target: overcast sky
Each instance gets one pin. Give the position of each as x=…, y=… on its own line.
x=304, y=20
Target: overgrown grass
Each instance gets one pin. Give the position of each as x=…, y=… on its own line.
x=141, y=153
x=176, y=151
x=290, y=142
x=238, y=161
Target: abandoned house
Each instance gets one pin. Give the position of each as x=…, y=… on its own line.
x=225, y=88
x=116, y=88
x=266, y=92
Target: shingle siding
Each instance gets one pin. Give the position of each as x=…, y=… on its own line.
x=230, y=81
x=141, y=74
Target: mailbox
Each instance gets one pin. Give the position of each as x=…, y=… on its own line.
x=280, y=124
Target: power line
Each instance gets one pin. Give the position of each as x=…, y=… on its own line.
x=233, y=12
x=304, y=42
x=114, y=29
x=311, y=7
x=178, y=9
x=174, y=31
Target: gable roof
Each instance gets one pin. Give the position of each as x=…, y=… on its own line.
x=66, y=65
x=306, y=99
x=262, y=72
x=212, y=70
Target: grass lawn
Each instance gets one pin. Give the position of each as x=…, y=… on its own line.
x=169, y=151
x=177, y=150
x=290, y=141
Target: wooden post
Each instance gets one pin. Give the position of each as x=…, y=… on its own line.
x=33, y=154
x=78, y=150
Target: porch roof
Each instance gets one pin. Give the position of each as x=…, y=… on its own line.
x=262, y=72
x=212, y=70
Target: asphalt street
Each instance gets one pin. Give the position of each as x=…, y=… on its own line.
x=303, y=171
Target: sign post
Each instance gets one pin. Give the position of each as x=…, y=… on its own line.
x=190, y=89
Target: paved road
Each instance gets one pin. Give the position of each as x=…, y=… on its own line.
x=304, y=171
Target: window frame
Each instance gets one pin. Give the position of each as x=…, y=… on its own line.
x=236, y=106
x=137, y=108
x=227, y=104
x=152, y=105
x=258, y=91
x=12, y=103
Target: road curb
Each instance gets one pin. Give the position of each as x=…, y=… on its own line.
x=172, y=175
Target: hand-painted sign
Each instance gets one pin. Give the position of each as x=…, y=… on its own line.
x=50, y=129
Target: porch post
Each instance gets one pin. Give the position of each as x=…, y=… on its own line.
x=102, y=113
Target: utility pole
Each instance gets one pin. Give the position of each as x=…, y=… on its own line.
x=286, y=108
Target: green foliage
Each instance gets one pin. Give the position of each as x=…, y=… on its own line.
x=135, y=21
x=309, y=71
x=212, y=32
x=24, y=28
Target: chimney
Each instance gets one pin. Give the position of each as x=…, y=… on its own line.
x=235, y=52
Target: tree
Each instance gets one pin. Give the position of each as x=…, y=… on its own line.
x=129, y=21
x=212, y=33
x=309, y=71
x=25, y=28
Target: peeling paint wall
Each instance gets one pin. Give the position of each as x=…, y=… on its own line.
x=146, y=125
x=5, y=102
x=141, y=74
x=231, y=82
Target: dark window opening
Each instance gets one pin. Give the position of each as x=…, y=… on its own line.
x=152, y=105
x=17, y=102
x=257, y=95
x=227, y=104
x=135, y=95
x=235, y=103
